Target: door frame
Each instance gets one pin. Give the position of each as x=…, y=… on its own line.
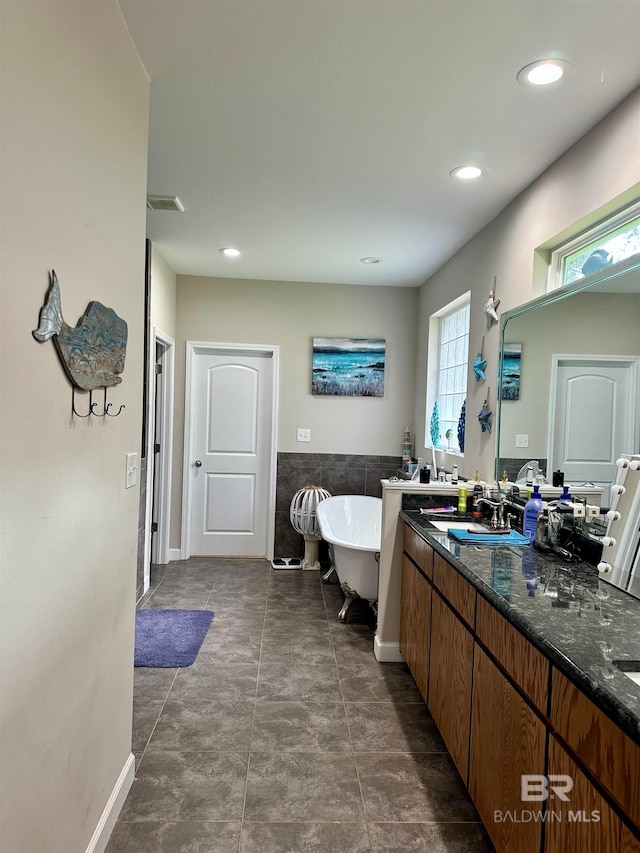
x=631, y=362
x=193, y=349
x=163, y=469
x=165, y=462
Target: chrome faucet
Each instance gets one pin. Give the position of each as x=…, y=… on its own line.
x=497, y=518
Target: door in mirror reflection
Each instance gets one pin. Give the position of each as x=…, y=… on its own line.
x=591, y=423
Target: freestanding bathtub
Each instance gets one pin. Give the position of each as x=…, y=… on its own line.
x=352, y=525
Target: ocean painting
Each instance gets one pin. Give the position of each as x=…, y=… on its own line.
x=511, y=364
x=348, y=367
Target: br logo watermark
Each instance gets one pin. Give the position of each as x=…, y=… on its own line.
x=535, y=787
x=538, y=788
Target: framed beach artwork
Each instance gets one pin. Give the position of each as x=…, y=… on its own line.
x=511, y=367
x=348, y=367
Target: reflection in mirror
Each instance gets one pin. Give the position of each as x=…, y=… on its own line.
x=576, y=407
x=578, y=400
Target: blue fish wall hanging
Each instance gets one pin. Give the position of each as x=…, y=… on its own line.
x=93, y=353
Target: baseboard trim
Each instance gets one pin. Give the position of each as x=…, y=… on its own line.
x=174, y=554
x=113, y=807
x=387, y=652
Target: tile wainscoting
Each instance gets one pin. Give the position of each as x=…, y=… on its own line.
x=338, y=473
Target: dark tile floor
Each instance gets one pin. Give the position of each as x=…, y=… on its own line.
x=286, y=735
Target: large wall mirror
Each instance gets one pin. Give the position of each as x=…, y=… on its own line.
x=569, y=368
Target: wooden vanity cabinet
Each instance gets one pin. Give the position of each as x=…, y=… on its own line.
x=522, y=662
x=504, y=711
x=415, y=623
x=595, y=739
x=628, y=842
x=451, y=664
x=595, y=828
x=507, y=741
x=451, y=669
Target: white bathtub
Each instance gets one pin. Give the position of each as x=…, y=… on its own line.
x=352, y=525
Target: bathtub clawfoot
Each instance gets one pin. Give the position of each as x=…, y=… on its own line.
x=326, y=576
x=350, y=596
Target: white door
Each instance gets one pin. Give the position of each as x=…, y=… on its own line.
x=592, y=418
x=230, y=469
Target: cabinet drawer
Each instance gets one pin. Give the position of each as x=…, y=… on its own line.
x=420, y=552
x=524, y=664
x=455, y=589
x=605, y=749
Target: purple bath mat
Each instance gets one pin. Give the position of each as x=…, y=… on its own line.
x=169, y=637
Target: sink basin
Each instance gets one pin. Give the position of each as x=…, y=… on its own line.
x=631, y=668
x=456, y=525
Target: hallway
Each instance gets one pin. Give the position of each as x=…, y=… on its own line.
x=286, y=735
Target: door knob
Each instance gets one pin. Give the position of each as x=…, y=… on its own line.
x=198, y=463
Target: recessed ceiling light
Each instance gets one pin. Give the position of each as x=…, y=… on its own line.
x=229, y=253
x=466, y=173
x=544, y=71
x=370, y=260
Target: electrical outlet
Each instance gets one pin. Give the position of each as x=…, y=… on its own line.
x=304, y=435
x=131, y=471
x=522, y=441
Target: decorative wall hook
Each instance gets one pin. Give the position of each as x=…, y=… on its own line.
x=93, y=406
x=92, y=354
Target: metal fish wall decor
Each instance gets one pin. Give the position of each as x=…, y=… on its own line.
x=92, y=353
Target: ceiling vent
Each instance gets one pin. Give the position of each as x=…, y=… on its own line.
x=164, y=202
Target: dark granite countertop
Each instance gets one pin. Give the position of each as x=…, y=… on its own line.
x=581, y=623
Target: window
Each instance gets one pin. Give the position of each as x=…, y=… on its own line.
x=612, y=241
x=447, y=385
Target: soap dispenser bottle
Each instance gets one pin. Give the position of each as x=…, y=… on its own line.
x=531, y=511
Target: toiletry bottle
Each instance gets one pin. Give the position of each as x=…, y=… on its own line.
x=462, y=500
x=542, y=534
x=529, y=476
x=565, y=497
x=454, y=475
x=477, y=508
x=530, y=521
x=406, y=449
x=442, y=476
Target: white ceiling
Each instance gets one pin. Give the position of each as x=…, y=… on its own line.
x=311, y=133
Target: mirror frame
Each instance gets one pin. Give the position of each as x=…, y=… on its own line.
x=608, y=274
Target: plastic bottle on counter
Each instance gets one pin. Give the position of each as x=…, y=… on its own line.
x=477, y=494
x=542, y=532
x=462, y=500
x=454, y=475
x=531, y=511
x=406, y=449
x=565, y=497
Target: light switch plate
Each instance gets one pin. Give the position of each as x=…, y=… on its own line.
x=131, y=472
x=304, y=435
x=522, y=441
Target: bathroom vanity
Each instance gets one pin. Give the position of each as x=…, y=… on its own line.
x=517, y=655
